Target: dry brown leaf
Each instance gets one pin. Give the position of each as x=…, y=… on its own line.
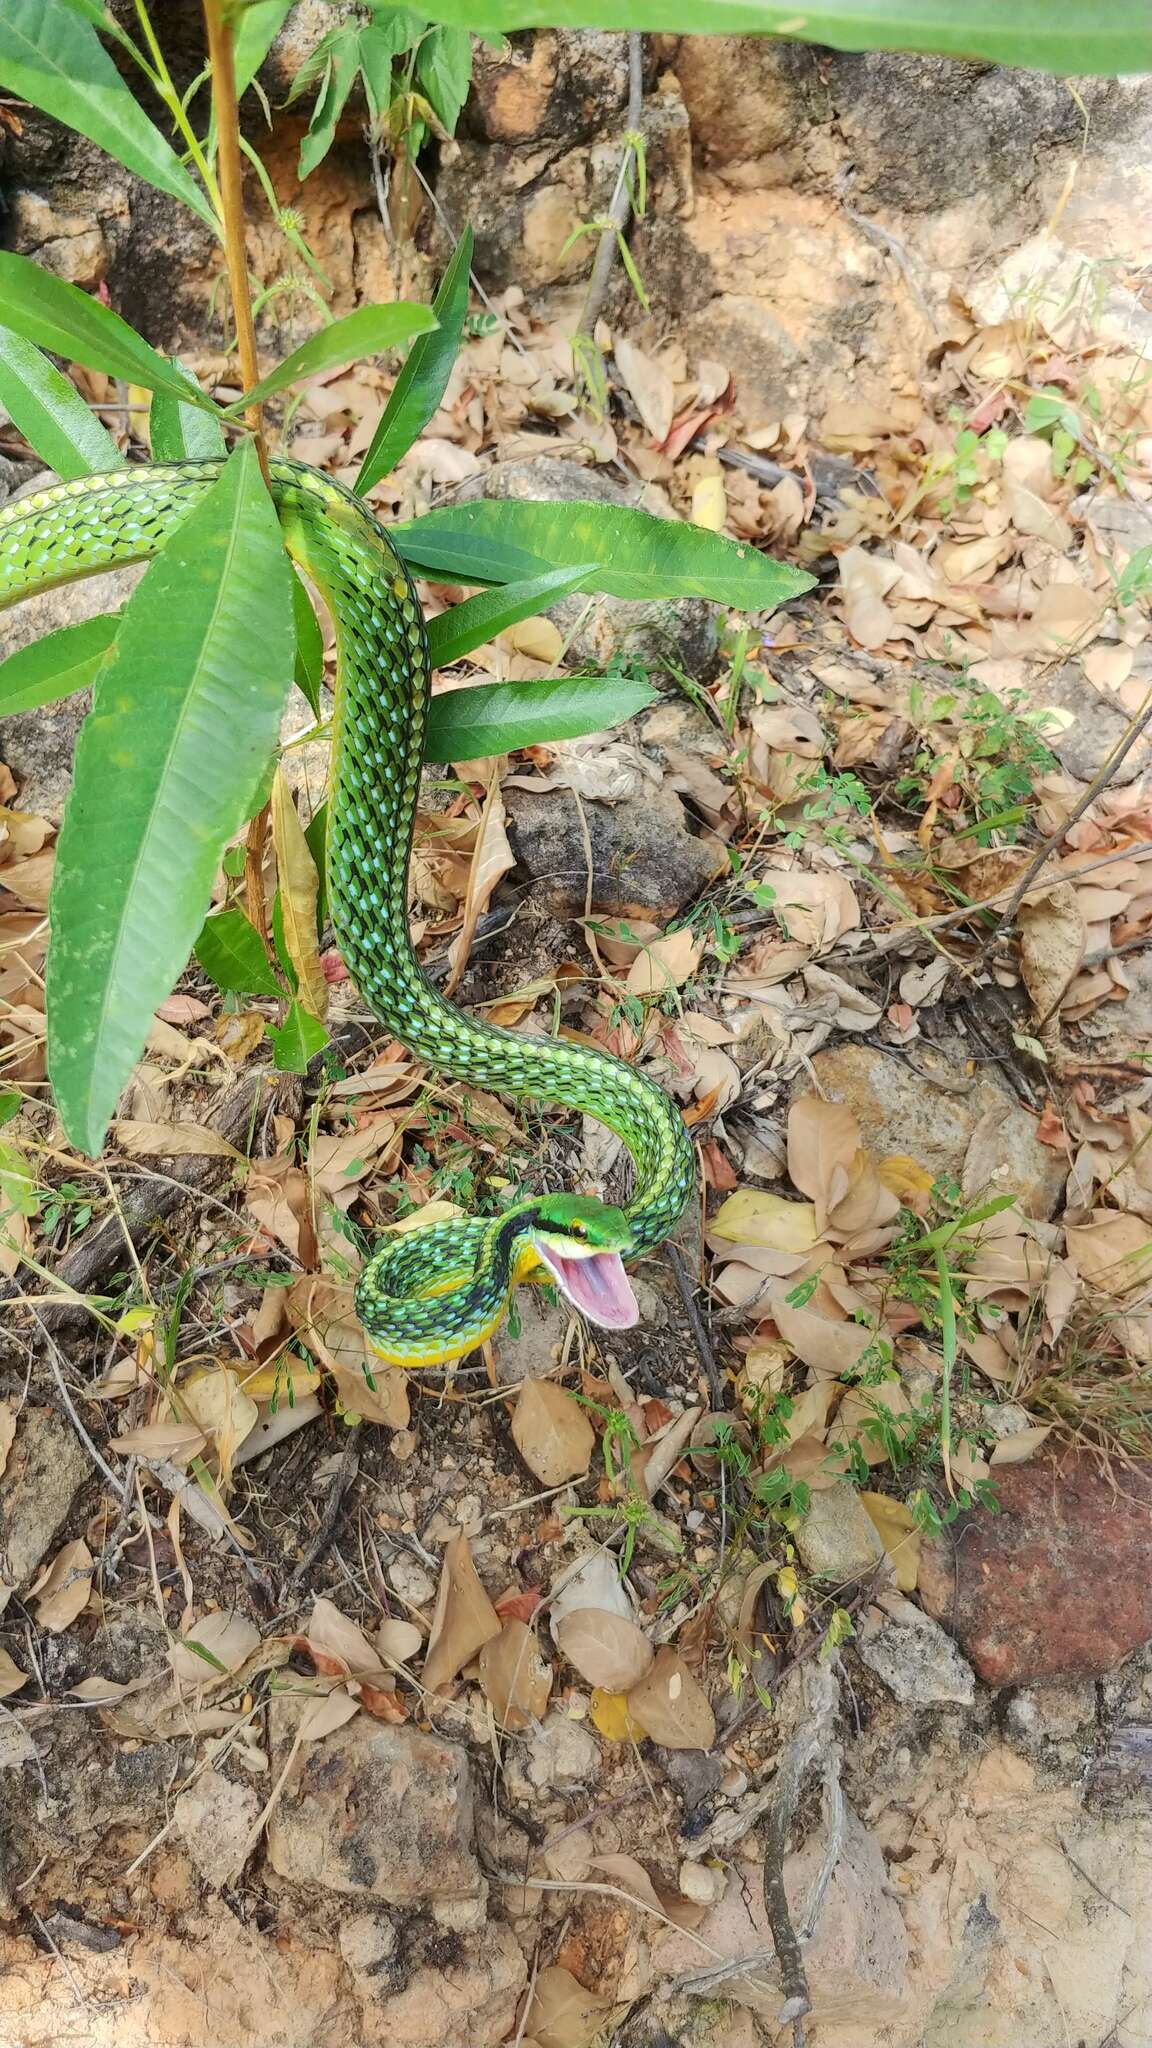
x=649, y=385
x=1052, y=942
x=1029, y=514
x=11, y=1676
x=867, y=1206
x=593, y=1581
x=811, y=909
x=896, y=1527
x=1021, y=1445
x=666, y=963
x=671, y=1705
x=162, y=1440
x=492, y=857
x=62, y=1590
x=561, y=2013
x=277, y=1196
x=753, y=1217
x=1113, y=1252
x=1065, y=617
x=340, y=1160
x=31, y=880
x=7, y=1433
x=789, y=729
x=327, y=1712
x=552, y=1433
x=172, y=1141
x=605, y=1649
x=214, y=1647
x=299, y=889
x=464, y=1620
x=338, y=1646
x=514, y=1678
x=827, y=1348
x=324, y=1314
x=710, y=502
x=630, y=1876
x=218, y=1403
x=398, y=1641
x=823, y=1141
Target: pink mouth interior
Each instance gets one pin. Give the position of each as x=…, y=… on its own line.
x=597, y=1285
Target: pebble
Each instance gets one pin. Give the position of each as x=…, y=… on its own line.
x=412, y=1580
x=704, y=1883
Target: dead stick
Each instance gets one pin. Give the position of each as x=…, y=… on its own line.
x=621, y=205
x=346, y=1472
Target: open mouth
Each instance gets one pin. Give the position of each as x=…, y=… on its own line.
x=596, y=1284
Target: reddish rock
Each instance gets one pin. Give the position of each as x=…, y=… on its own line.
x=1059, y=1583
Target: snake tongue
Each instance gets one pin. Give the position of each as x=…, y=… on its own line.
x=597, y=1285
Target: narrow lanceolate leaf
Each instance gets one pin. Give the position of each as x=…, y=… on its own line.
x=480, y=618
x=495, y=718
x=55, y=666
x=309, y=646
x=635, y=555
x=256, y=30
x=1065, y=36
x=423, y=380
x=182, y=431
x=186, y=714
x=299, y=885
x=50, y=412
x=48, y=55
x=297, y=1040
x=362, y=333
x=58, y=316
x=231, y=952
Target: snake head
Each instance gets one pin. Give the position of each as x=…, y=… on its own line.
x=583, y=1244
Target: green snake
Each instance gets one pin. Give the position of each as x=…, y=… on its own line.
x=433, y=1294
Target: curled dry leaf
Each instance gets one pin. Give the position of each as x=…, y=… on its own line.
x=897, y=1530
x=812, y=910
x=1052, y=942
x=650, y=386
x=327, y=1712
x=1114, y=1252
x=671, y=1706
x=1020, y=1446
x=464, y=1620
x=338, y=1646
x=172, y=1141
x=61, y=1591
x=218, y=1403
x=514, y=1678
x=398, y=1641
x=277, y=1196
x=561, y=2013
x=826, y=1347
x=492, y=858
x=755, y=1218
x=666, y=963
x=552, y=1433
x=11, y=1676
x=299, y=888
x=177, y=1441
x=823, y=1140
x=608, y=1651
x=214, y=1647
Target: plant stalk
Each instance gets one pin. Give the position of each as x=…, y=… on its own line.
x=225, y=105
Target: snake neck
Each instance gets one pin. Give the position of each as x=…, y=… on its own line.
x=420, y=1283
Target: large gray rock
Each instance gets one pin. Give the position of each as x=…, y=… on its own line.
x=645, y=862
x=38, y=745
x=375, y=1811
x=913, y=1656
x=46, y=1466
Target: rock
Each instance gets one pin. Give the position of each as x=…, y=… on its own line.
x=837, y=1536
x=465, y=1995
x=562, y=1756
x=368, y=1944
x=214, y=1819
x=38, y=745
x=683, y=632
x=1059, y=1583
x=645, y=862
x=1099, y=725
x=747, y=98
x=412, y=1580
x=911, y=1654
x=375, y=1810
x=46, y=1467
x=66, y=243
x=769, y=368
x=528, y=1356
x=696, y=1774
x=900, y=1111
x=559, y=85
x=704, y=1883
x=1038, y=1715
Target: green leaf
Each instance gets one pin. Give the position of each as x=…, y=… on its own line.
x=1066, y=36
x=58, y=316
x=50, y=56
x=444, y=68
x=179, y=432
x=339, y=78
x=309, y=646
x=495, y=718
x=297, y=1040
x=231, y=952
x=637, y=555
x=55, y=666
x=423, y=380
x=379, y=44
x=256, y=31
x=468, y=625
x=363, y=333
x=316, y=834
x=50, y=412
x=186, y=714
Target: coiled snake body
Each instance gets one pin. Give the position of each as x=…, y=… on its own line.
x=431, y=1295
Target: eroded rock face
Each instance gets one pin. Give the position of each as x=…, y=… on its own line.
x=1057, y=1585
x=376, y=1811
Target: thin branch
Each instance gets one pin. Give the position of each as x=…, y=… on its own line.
x=346, y=1472
x=620, y=207
x=224, y=102
x=800, y=1753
